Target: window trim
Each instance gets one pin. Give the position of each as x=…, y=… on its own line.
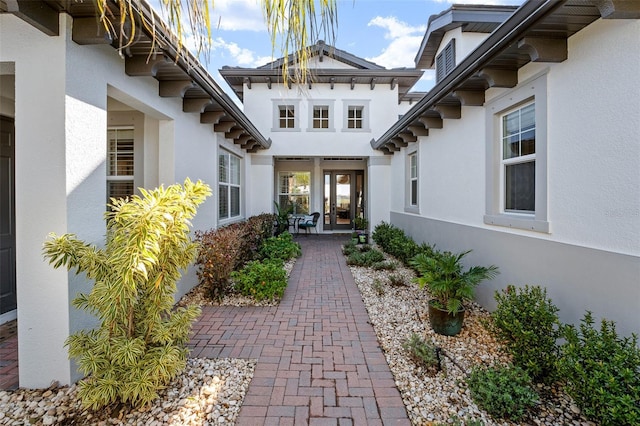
x=117, y=177
x=532, y=90
x=229, y=185
x=410, y=207
x=366, y=113
x=289, y=194
x=329, y=104
x=277, y=104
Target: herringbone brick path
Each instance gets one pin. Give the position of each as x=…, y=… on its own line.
x=318, y=357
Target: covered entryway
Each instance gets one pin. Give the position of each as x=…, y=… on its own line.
x=7, y=220
x=343, y=198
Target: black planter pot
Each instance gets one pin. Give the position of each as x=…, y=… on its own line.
x=445, y=323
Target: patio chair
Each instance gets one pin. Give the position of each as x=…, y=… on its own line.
x=308, y=222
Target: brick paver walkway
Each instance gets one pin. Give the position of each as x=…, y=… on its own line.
x=318, y=357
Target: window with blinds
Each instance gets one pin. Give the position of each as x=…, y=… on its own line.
x=228, y=186
x=120, y=162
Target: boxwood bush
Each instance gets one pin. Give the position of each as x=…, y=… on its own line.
x=261, y=280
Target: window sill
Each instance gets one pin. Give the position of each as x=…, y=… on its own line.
x=313, y=129
x=356, y=130
x=517, y=222
x=412, y=209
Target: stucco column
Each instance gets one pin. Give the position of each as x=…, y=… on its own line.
x=378, y=189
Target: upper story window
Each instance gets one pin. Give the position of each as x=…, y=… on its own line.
x=446, y=60
x=321, y=117
x=287, y=116
x=519, y=160
x=120, y=162
x=228, y=186
x=354, y=117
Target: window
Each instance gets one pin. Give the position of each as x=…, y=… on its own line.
x=413, y=179
x=120, y=165
x=354, y=117
x=446, y=60
x=517, y=157
x=519, y=160
x=287, y=116
x=293, y=192
x=321, y=117
x=228, y=186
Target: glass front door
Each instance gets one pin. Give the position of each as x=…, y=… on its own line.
x=343, y=198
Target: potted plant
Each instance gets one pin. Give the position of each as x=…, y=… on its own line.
x=449, y=287
x=360, y=223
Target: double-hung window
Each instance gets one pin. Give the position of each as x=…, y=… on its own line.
x=519, y=160
x=228, y=186
x=413, y=180
x=517, y=157
x=120, y=162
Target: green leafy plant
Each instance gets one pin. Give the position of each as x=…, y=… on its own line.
x=349, y=247
x=219, y=255
x=361, y=223
x=385, y=265
x=280, y=247
x=602, y=372
x=140, y=344
x=397, y=280
x=254, y=232
x=282, y=217
x=526, y=323
x=378, y=287
x=502, y=391
x=421, y=352
x=447, y=283
x=261, y=280
x=365, y=258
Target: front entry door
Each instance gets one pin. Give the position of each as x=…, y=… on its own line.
x=7, y=217
x=343, y=198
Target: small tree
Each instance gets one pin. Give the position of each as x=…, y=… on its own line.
x=140, y=344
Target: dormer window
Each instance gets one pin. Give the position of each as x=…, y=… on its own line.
x=446, y=61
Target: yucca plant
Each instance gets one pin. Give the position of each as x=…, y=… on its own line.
x=448, y=285
x=140, y=344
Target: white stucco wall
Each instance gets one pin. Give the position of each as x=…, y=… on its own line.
x=61, y=126
x=465, y=42
x=593, y=182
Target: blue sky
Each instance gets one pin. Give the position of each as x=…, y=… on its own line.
x=385, y=32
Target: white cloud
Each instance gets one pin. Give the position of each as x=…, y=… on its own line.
x=239, y=56
x=236, y=15
x=491, y=2
x=404, y=42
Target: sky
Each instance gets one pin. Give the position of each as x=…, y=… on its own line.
x=387, y=33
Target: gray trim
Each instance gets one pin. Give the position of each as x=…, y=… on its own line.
x=276, y=103
x=332, y=115
x=577, y=278
x=366, y=114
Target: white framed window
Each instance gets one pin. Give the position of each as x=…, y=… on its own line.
x=120, y=162
x=294, y=191
x=286, y=115
x=228, y=186
x=446, y=60
x=354, y=117
x=321, y=117
x=413, y=179
x=517, y=157
x=519, y=160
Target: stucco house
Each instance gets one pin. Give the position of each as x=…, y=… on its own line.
x=526, y=150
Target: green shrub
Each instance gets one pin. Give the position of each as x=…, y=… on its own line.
x=261, y=280
x=397, y=280
x=255, y=231
x=218, y=256
x=503, y=392
x=365, y=258
x=385, y=265
x=349, y=248
x=526, y=323
x=281, y=247
x=378, y=287
x=140, y=344
x=421, y=352
x=602, y=372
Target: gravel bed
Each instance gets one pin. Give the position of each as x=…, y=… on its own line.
x=398, y=311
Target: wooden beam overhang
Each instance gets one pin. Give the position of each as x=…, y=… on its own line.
x=234, y=133
x=247, y=82
x=373, y=83
x=242, y=139
x=224, y=126
x=453, y=112
x=196, y=104
x=398, y=143
x=418, y=130
x=353, y=82
x=394, y=83
x=143, y=65
x=430, y=122
x=268, y=80
x=332, y=81
x=499, y=77
x=470, y=97
x=88, y=31
x=174, y=88
x=407, y=137
x=618, y=9
x=544, y=49
x=211, y=117
x=37, y=13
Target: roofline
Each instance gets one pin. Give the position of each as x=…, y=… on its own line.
x=324, y=72
x=502, y=37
